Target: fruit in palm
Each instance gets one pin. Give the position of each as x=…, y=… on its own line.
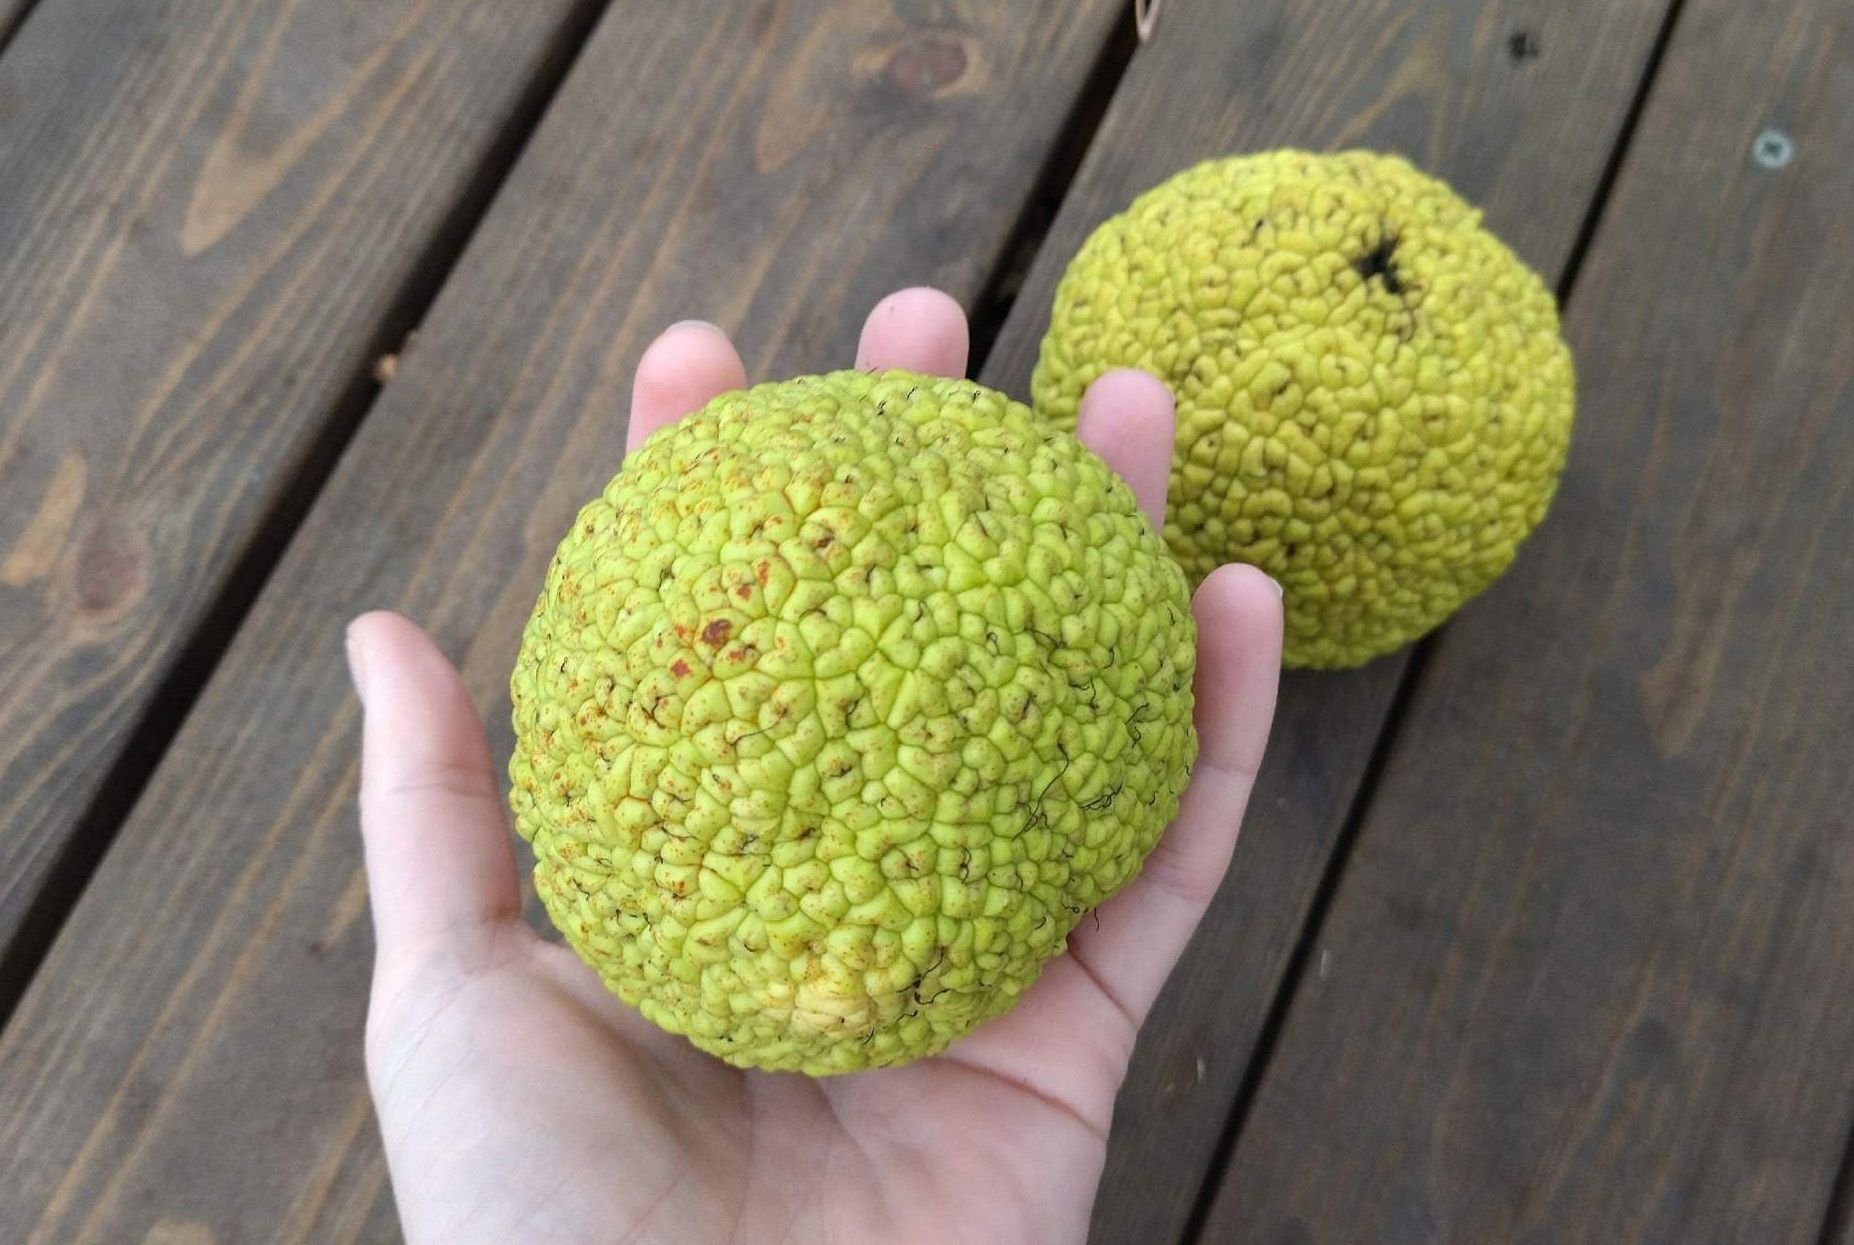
x=841, y=705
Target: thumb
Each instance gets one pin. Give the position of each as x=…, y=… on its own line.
x=439, y=862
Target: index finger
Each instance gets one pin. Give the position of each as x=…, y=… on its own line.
x=439, y=864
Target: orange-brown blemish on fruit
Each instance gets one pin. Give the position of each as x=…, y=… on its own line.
x=763, y=573
x=680, y=669
x=744, y=591
x=715, y=633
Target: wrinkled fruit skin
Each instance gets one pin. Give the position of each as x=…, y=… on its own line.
x=1374, y=402
x=840, y=707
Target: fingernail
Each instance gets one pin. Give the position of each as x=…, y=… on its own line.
x=694, y=324
x=357, y=668
x=1276, y=585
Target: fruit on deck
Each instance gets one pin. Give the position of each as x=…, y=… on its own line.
x=1374, y=402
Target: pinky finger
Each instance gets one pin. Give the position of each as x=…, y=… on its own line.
x=1142, y=930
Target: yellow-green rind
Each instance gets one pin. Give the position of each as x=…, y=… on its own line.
x=1374, y=401
x=841, y=705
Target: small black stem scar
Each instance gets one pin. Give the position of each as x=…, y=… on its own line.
x=1381, y=262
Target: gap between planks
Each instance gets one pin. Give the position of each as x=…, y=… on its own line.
x=13, y=15
x=1838, y=1219
x=1308, y=938
x=999, y=294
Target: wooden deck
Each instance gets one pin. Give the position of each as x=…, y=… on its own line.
x=1542, y=931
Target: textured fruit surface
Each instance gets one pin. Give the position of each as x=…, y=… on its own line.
x=1374, y=402
x=840, y=706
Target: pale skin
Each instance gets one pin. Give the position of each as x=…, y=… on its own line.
x=521, y=1101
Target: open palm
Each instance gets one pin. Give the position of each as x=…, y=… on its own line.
x=519, y=1100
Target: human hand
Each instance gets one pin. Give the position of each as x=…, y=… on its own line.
x=519, y=1100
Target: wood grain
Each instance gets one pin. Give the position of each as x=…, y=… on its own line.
x=1525, y=137
x=1592, y=964
x=190, y=1052
x=212, y=211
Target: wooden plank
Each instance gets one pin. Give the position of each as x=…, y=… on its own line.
x=1526, y=136
x=191, y=1051
x=1591, y=969
x=213, y=212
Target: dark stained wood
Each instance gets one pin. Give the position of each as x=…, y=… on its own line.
x=1527, y=138
x=190, y=1053
x=12, y=14
x=210, y=211
x=1591, y=970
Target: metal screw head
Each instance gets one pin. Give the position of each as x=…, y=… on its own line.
x=1773, y=149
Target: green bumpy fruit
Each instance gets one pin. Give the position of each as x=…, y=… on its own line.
x=842, y=704
x=1374, y=402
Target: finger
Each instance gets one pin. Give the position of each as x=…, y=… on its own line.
x=918, y=330
x=439, y=862
x=1127, y=418
x=1070, y=1038
x=1140, y=932
x=681, y=371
